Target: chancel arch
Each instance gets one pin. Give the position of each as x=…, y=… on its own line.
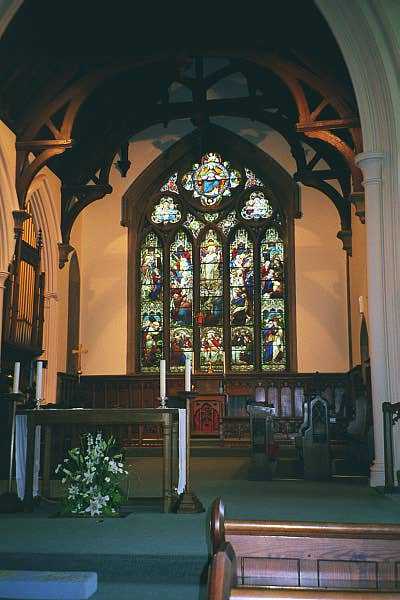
x=232, y=305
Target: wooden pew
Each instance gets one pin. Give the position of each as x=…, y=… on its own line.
x=287, y=559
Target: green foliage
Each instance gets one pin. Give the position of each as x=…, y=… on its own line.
x=93, y=475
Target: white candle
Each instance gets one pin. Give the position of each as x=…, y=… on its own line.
x=39, y=377
x=17, y=368
x=224, y=361
x=361, y=305
x=163, y=380
x=188, y=374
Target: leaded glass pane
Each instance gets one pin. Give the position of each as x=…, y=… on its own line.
x=228, y=223
x=257, y=207
x=193, y=225
x=151, y=313
x=242, y=349
x=272, y=264
x=170, y=185
x=181, y=347
x=181, y=301
x=273, y=351
x=151, y=268
x=166, y=211
x=211, y=302
x=211, y=217
x=211, y=285
x=151, y=335
x=241, y=277
x=211, y=349
x=211, y=179
x=252, y=180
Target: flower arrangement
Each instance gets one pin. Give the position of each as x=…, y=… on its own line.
x=93, y=474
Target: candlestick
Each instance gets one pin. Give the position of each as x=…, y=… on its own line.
x=39, y=378
x=188, y=373
x=17, y=368
x=163, y=380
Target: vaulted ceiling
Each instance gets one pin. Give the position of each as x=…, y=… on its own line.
x=78, y=80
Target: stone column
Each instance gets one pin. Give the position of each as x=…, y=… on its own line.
x=3, y=277
x=50, y=345
x=371, y=165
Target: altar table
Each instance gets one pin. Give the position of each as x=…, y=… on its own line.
x=168, y=419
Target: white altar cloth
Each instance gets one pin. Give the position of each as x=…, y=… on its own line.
x=182, y=451
x=21, y=432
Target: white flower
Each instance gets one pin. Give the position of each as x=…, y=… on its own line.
x=107, y=480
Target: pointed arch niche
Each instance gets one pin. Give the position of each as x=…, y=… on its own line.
x=211, y=271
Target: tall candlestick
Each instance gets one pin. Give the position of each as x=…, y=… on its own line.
x=17, y=368
x=39, y=377
x=188, y=373
x=163, y=380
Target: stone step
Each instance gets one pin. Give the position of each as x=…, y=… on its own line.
x=47, y=585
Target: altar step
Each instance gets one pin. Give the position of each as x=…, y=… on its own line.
x=114, y=568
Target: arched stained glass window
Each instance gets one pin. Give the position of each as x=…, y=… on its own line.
x=211, y=303
x=241, y=275
x=181, y=301
x=273, y=347
x=151, y=303
x=213, y=286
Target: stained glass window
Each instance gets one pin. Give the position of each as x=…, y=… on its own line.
x=211, y=302
x=273, y=348
x=166, y=211
x=181, y=301
x=211, y=179
x=228, y=223
x=257, y=207
x=219, y=297
x=241, y=278
x=170, y=185
x=252, y=180
x=193, y=224
x=151, y=292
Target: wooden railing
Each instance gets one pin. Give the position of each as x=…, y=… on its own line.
x=251, y=556
x=391, y=415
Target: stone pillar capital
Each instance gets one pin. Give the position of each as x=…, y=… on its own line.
x=370, y=164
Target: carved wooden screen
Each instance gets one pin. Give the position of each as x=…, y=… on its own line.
x=212, y=272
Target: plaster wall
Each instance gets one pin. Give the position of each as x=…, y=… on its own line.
x=320, y=262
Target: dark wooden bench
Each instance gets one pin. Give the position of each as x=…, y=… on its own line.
x=287, y=559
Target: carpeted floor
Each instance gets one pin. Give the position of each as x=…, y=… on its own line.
x=149, y=551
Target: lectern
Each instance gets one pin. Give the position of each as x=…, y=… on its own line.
x=263, y=464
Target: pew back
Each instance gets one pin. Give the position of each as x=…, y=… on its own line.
x=310, y=555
